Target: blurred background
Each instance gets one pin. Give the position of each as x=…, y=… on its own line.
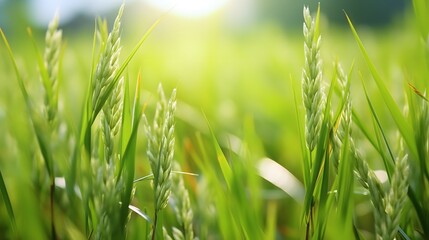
x=228, y=58
x=286, y=13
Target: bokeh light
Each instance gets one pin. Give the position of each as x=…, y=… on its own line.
x=189, y=8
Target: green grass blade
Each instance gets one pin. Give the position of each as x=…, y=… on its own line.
x=17, y=73
x=324, y=179
x=246, y=183
x=224, y=166
x=140, y=213
x=128, y=160
x=304, y=151
x=395, y=112
x=421, y=211
x=126, y=124
x=42, y=68
x=270, y=230
x=128, y=173
x=420, y=136
x=84, y=127
x=403, y=234
x=363, y=128
x=15, y=68
x=36, y=123
x=317, y=170
x=418, y=111
x=137, y=108
x=130, y=127
x=270, y=170
x=148, y=177
x=43, y=145
x=421, y=10
x=85, y=142
x=111, y=86
x=209, y=171
x=387, y=164
x=231, y=223
x=374, y=141
x=345, y=181
x=7, y=203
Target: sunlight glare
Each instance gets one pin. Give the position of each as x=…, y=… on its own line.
x=189, y=8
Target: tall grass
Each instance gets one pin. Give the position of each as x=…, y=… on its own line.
x=132, y=167
x=322, y=198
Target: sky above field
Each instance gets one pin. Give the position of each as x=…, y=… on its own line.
x=43, y=10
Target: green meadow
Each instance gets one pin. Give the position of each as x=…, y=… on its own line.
x=169, y=128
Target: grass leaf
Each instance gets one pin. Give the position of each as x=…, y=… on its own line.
x=345, y=189
x=387, y=164
x=42, y=67
x=396, y=114
x=121, y=69
x=7, y=202
x=226, y=169
x=36, y=122
x=130, y=137
x=128, y=161
x=140, y=213
x=282, y=178
x=304, y=151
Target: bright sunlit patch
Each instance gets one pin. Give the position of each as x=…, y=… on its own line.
x=189, y=8
x=282, y=178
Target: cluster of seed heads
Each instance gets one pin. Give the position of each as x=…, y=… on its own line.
x=312, y=88
x=160, y=150
x=182, y=209
x=108, y=65
x=344, y=127
x=107, y=188
x=387, y=203
x=53, y=40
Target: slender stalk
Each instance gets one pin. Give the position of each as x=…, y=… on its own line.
x=53, y=229
x=155, y=223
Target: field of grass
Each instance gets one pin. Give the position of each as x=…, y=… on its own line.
x=192, y=130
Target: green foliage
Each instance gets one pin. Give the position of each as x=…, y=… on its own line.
x=7, y=202
x=224, y=151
